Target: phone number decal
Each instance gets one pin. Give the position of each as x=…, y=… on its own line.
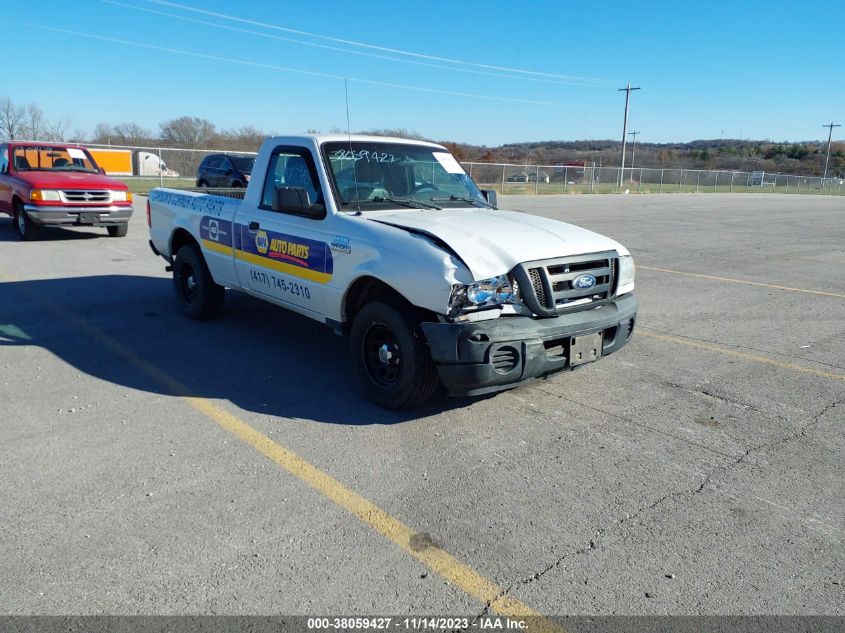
x=274, y=282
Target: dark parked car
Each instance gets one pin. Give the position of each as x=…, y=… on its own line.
x=225, y=170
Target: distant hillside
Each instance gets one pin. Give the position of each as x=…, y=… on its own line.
x=805, y=158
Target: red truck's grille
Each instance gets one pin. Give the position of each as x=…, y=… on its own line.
x=83, y=195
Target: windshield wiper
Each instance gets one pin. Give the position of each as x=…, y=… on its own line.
x=406, y=202
x=454, y=198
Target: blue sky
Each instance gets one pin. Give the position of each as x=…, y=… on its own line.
x=761, y=70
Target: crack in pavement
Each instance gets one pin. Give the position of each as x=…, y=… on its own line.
x=593, y=543
x=748, y=347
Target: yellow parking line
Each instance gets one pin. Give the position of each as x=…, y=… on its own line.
x=419, y=546
x=742, y=281
x=711, y=347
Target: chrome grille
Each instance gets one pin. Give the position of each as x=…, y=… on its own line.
x=549, y=283
x=86, y=195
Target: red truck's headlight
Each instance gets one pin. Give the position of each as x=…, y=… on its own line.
x=44, y=195
x=121, y=196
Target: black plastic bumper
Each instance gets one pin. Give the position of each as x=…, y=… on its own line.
x=464, y=353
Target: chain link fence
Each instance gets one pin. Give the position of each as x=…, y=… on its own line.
x=507, y=178
x=177, y=168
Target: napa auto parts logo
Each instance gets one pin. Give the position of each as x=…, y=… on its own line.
x=262, y=242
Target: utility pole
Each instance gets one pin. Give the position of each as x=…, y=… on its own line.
x=633, y=150
x=830, y=125
x=627, y=90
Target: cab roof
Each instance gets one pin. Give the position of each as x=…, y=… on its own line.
x=365, y=138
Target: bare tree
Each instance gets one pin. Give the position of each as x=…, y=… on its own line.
x=12, y=119
x=188, y=131
x=122, y=134
x=34, y=121
x=245, y=138
x=57, y=130
x=78, y=136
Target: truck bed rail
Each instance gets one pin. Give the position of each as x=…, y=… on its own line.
x=237, y=193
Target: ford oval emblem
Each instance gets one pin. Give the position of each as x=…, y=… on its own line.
x=584, y=282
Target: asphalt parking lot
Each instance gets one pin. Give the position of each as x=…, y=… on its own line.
x=154, y=465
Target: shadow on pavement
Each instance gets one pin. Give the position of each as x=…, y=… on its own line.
x=8, y=232
x=261, y=358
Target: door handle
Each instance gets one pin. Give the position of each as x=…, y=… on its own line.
x=254, y=226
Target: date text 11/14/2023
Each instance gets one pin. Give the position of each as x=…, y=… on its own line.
x=278, y=283
x=417, y=623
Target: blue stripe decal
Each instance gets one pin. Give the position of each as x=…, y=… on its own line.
x=284, y=248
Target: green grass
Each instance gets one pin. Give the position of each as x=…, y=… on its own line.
x=142, y=186
x=582, y=188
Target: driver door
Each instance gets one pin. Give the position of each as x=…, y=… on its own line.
x=281, y=255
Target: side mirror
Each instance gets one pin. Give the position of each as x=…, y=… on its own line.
x=296, y=200
x=490, y=196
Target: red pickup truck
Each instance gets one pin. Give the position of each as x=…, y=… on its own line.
x=54, y=184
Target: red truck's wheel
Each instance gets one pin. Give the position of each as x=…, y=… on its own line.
x=118, y=230
x=197, y=293
x=390, y=357
x=27, y=229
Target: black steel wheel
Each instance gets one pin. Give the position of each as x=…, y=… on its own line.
x=391, y=358
x=196, y=291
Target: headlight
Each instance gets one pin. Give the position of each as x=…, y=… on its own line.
x=488, y=292
x=44, y=195
x=121, y=196
x=626, y=271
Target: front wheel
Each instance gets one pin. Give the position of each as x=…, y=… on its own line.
x=198, y=295
x=118, y=230
x=26, y=228
x=390, y=357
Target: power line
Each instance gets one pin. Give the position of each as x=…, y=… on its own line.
x=343, y=50
x=627, y=90
x=830, y=125
x=300, y=71
x=385, y=49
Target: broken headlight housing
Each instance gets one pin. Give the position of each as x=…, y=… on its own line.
x=491, y=292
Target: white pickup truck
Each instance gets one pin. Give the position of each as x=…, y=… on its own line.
x=388, y=241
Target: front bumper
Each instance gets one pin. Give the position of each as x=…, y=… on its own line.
x=463, y=352
x=79, y=216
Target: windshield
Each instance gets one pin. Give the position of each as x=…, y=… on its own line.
x=389, y=175
x=243, y=163
x=48, y=158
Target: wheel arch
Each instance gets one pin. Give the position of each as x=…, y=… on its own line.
x=368, y=288
x=180, y=238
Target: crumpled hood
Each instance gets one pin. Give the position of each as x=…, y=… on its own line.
x=491, y=242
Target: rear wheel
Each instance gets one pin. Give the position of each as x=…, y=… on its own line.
x=26, y=228
x=390, y=357
x=198, y=295
x=118, y=230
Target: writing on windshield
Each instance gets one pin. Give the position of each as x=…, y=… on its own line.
x=375, y=176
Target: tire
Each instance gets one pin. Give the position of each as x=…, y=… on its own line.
x=27, y=229
x=196, y=292
x=390, y=358
x=237, y=185
x=202, y=184
x=118, y=230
